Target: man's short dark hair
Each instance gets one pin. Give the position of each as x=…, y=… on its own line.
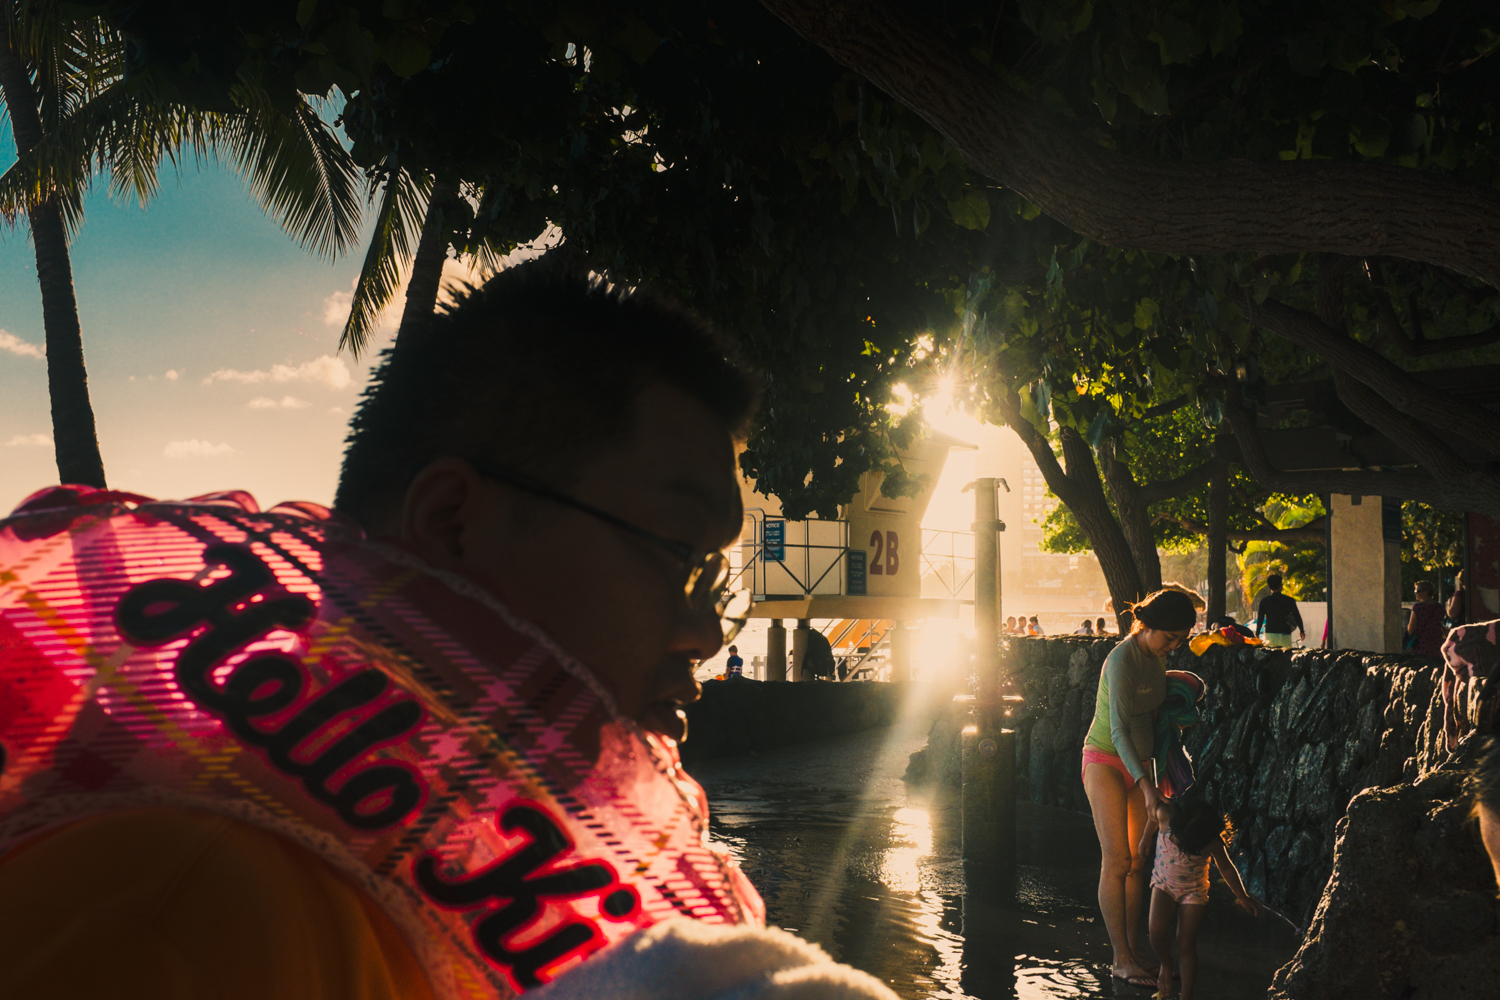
x=540, y=368
x=1274, y=582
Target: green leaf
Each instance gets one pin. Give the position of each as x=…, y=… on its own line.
x=406, y=53
x=972, y=211
x=1177, y=40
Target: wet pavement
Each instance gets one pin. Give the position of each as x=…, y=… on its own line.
x=827, y=833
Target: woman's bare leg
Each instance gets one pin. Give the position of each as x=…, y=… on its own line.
x=1110, y=805
x=1135, y=882
x=1189, y=916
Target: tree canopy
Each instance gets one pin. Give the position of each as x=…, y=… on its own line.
x=1104, y=225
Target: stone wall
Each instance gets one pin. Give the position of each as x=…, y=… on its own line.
x=744, y=716
x=1410, y=910
x=1287, y=739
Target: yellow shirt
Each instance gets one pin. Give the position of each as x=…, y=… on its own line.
x=174, y=904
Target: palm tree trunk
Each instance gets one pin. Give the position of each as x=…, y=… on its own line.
x=74, y=438
x=427, y=266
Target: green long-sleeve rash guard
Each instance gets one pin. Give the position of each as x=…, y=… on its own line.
x=1132, y=685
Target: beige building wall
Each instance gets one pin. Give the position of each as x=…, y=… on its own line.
x=1366, y=576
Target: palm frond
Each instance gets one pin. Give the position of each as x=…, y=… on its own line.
x=298, y=171
x=63, y=164
x=398, y=225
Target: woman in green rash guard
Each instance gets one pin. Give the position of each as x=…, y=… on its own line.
x=1132, y=686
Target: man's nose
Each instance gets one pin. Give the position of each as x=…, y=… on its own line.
x=698, y=635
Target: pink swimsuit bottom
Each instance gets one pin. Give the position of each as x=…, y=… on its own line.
x=1092, y=756
x=1180, y=875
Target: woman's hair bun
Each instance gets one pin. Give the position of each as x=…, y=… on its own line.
x=1166, y=611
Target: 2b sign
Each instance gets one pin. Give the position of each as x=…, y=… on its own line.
x=886, y=558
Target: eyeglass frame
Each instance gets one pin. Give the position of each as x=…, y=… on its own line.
x=684, y=553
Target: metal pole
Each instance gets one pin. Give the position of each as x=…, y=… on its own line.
x=988, y=752
x=986, y=529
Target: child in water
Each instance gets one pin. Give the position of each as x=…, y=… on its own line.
x=1189, y=833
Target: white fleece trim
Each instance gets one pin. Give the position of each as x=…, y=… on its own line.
x=687, y=960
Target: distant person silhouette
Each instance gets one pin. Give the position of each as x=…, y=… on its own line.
x=1278, y=615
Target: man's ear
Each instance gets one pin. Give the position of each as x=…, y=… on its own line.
x=442, y=504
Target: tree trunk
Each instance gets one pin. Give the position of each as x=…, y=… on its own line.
x=1078, y=486
x=427, y=266
x=75, y=441
x=1183, y=207
x=1218, y=526
x=1135, y=519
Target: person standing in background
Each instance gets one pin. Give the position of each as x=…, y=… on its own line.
x=1458, y=602
x=735, y=665
x=1099, y=628
x=1425, y=624
x=1278, y=615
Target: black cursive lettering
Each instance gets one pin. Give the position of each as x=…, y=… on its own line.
x=514, y=882
x=160, y=611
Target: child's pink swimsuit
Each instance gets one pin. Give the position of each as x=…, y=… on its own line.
x=1180, y=875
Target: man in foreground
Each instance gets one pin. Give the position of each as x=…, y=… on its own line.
x=294, y=763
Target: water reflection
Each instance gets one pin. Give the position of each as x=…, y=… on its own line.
x=829, y=837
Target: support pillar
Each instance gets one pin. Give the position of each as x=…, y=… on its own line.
x=799, y=649
x=775, y=651
x=987, y=528
x=1365, y=536
x=900, y=652
x=988, y=752
x=988, y=768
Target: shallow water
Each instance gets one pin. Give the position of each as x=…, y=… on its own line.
x=842, y=856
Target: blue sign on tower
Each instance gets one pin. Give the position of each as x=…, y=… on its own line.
x=856, y=571
x=773, y=548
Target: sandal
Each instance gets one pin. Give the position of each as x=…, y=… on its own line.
x=1139, y=982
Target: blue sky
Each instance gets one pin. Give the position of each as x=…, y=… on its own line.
x=201, y=284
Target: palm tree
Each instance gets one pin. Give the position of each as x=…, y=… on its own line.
x=410, y=204
x=74, y=116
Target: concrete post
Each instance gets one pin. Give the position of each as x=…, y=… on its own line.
x=799, y=649
x=900, y=652
x=988, y=763
x=986, y=600
x=775, y=651
x=1365, y=533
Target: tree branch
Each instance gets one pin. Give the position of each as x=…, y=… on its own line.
x=1187, y=482
x=1176, y=207
x=1399, y=388
x=1253, y=454
x=1162, y=409
x=1311, y=532
x=1421, y=444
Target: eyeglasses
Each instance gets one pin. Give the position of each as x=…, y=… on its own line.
x=707, y=585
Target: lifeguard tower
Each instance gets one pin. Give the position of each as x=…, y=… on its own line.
x=867, y=576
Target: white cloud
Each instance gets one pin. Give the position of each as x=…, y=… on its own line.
x=194, y=448
x=336, y=308
x=22, y=348
x=171, y=375
x=284, y=403
x=326, y=370
x=30, y=441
